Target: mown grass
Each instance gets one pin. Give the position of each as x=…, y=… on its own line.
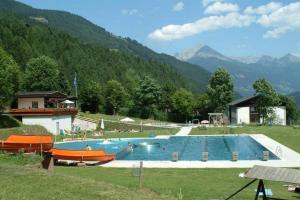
x=23, y=129
x=195, y=184
x=287, y=135
x=21, y=178
x=144, y=134
x=99, y=116
x=20, y=181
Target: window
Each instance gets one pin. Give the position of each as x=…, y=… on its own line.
x=252, y=109
x=35, y=104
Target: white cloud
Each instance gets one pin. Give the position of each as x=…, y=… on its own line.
x=264, y=9
x=219, y=7
x=281, y=21
x=207, y=2
x=178, y=6
x=172, y=32
x=277, y=18
x=129, y=12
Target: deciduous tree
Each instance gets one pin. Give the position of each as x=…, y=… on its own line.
x=9, y=78
x=91, y=97
x=268, y=98
x=220, y=90
x=115, y=96
x=182, y=103
x=41, y=74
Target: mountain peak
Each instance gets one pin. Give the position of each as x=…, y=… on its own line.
x=290, y=58
x=200, y=51
x=189, y=53
x=266, y=59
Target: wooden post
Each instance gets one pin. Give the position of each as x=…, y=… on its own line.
x=41, y=150
x=141, y=174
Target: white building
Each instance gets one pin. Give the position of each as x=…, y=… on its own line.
x=243, y=111
x=45, y=109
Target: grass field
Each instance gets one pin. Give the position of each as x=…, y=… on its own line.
x=23, y=129
x=21, y=179
x=117, y=118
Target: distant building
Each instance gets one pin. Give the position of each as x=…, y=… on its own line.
x=46, y=109
x=244, y=111
x=6, y=108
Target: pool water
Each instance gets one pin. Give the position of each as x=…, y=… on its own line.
x=187, y=147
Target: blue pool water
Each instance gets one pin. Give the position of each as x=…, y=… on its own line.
x=188, y=148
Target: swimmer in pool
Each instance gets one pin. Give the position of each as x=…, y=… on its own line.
x=88, y=148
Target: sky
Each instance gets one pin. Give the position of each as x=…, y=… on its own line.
x=234, y=28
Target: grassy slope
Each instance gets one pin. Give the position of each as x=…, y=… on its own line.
x=29, y=182
x=4, y=133
x=98, y=117
x=112, y=122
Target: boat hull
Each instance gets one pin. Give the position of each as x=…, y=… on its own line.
x=86, y=155
x=26, y=143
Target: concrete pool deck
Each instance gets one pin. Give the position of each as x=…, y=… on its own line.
x=288, y=158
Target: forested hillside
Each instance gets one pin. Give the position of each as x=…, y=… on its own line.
x=88, y=32
x=25, y=39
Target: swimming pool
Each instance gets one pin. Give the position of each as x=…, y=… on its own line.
x=189, y=148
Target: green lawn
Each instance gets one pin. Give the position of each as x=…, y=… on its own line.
x=289, y=136
x=25, y=180
x=117, y=118
x=4, y=133
x=20, y=181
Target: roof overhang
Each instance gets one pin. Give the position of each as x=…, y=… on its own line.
x=274, y=174
x=41, y=94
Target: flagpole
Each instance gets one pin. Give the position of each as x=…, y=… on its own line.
x=75, y=85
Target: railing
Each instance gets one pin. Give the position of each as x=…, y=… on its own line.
x=43, y=111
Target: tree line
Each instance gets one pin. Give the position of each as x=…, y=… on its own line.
x=36, y=58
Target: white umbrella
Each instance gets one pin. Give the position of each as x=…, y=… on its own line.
x=68, y=102
x=102, y=124
x=127, y=119
x=204, y=122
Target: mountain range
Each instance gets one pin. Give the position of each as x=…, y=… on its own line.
x=283, y=73
x=196, y=77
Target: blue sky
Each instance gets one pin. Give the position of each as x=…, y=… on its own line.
x=234, y=28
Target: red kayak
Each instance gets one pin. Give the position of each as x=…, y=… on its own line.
x=82, y=155
x=26, y=143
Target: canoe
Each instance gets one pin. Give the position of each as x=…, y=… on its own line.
x=81, y=155
x=26, y=143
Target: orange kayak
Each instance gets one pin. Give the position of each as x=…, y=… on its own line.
x=82, y=155
x=28, y=143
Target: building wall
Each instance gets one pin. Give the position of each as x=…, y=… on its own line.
x=280, y=115
x=49, y=122
x=243, y=115
x=27, y=102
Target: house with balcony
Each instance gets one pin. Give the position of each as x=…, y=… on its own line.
x=51, y=109
x=244, y=111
